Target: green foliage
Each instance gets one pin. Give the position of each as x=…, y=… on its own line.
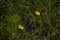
x=12, y=23
x=40, y=22
x=16, y=12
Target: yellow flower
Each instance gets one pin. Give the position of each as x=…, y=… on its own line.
x=37, y=13
x=20, y=27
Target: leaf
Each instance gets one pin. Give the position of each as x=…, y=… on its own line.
x=40, y=22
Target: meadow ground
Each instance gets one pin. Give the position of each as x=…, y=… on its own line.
x=29, y=19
